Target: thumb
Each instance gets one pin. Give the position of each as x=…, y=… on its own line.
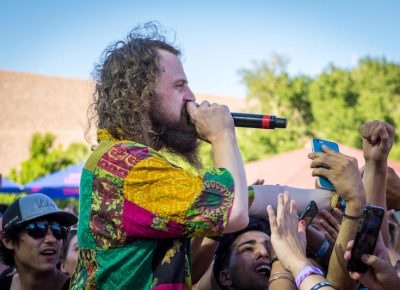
x=376, y=263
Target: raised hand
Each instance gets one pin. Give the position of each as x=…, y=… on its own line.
x=288, y=236
x=378, y=138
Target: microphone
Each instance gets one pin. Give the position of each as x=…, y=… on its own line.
x=258, y=121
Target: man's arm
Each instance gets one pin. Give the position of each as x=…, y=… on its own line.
x=214, y=124
x=378, y=138
x=344, y=174
x=267, y=194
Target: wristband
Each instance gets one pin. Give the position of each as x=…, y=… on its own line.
x=323, y=249
x=305, y=272
x=350, y=217
x=320, y=285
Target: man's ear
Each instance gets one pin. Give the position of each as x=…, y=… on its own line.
x=8, y=243
x=63, y=267
x=225, y=278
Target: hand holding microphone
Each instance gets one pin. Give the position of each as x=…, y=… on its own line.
x=258, y=121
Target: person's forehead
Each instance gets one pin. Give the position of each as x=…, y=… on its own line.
x=169, y=61
x=257, y=236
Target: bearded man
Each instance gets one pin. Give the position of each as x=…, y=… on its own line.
x=138, y=210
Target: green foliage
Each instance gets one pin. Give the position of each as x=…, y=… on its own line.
x=333, y=105
x=45, y=158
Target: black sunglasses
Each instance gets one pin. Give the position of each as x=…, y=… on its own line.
x=39, y=230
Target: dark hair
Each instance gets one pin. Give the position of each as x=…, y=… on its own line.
x=126, y=78
x=72, y=233
x=224, y=250
x=7, y=255
x=3, y=208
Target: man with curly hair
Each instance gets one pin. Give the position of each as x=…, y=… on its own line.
x=138, y=210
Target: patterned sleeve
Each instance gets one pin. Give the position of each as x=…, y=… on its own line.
x=165, y=201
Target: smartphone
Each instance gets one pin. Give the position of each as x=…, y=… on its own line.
x=366, y=237
x=309, y=213
x=316, y=144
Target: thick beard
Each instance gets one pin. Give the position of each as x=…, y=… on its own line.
x=179, y=138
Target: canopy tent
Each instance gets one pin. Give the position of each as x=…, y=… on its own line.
x=10, y=186
x=60, y=184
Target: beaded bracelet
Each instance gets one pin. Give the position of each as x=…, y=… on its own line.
x=273, y=260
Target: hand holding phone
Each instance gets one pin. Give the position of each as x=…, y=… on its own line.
x=366, y=237
x=309, y=213
x=323, y=182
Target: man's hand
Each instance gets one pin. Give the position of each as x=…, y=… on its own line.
x=342, y=171
x=330, y=223
x=381, y=274
x=378, y=138
x=211, y=121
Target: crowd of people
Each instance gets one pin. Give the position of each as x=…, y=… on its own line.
x=147, y=223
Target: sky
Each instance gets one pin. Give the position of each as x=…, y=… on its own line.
x=218, y=38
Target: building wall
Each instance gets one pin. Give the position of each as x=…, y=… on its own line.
x=35, y=103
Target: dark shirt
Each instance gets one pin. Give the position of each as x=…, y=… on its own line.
x=5, y=283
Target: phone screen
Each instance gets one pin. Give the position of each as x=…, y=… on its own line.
x=366, y=238
x=309, y=213
x=323, y=182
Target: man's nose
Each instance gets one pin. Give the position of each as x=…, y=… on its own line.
x=49, y=236
x=189, y=96
x=262, y=252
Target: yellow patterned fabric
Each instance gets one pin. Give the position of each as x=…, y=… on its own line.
x=162, y=189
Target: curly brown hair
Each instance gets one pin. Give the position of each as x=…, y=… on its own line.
x=126, y=78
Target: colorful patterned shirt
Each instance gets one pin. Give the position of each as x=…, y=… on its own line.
x=137, y=214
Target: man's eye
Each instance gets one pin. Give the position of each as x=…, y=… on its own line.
x=248, y=249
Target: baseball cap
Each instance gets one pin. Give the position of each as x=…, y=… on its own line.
x=35, y=206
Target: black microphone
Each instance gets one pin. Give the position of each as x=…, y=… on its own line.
x=258, y=121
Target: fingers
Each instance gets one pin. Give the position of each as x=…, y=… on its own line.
x=349, y=247
x=280, y=209
x=272, y=220
x=376, y=131
x=333, y=221
x=330, y=235
x=191, y=107
x=338, y=215
x=374, y=262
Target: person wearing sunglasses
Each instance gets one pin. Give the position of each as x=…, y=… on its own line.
x=34, y=230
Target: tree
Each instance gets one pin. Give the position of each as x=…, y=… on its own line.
x=333, y=105
x=272, y=91
x=45, y=158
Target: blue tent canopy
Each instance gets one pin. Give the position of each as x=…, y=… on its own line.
x=10, y=186
x=60, y=184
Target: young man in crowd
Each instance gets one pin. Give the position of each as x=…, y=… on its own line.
x=243, y=259
x=34, y=230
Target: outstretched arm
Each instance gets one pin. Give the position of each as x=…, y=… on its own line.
x=267, y=195
x=378, y=138
x=344, y=174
